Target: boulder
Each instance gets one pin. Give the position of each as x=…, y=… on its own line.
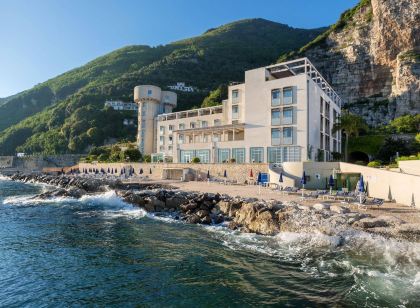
x=321, y=206
x=175, y=201
x=339, y=209
x=256, y=219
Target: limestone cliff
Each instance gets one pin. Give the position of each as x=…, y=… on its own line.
x=371, y=56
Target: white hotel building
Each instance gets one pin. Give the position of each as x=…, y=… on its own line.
x=283, y=112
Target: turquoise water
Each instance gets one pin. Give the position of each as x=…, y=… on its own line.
x=101, y=251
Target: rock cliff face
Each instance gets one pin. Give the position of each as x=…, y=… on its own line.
x=372, y=58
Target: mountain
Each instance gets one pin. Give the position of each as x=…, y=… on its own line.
x=66, y=114
x=371, y=57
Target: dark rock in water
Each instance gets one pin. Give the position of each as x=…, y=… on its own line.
x=234, y=225
x=193, y=219
x=217, y=219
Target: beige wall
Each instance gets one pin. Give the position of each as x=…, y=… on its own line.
x=400, y=187
x=410, y=166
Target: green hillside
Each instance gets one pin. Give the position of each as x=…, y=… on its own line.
x=66, y=114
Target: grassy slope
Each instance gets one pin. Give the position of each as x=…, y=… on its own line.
x=66, y=113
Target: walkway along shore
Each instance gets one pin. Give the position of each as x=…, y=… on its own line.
x=266, y=217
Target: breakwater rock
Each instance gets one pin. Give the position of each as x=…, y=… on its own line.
x=266, y=217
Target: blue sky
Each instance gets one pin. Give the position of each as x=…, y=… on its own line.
x=40, y=39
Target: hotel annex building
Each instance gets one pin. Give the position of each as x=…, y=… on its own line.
x=283, y=112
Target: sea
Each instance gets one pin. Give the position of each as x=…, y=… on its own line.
x=101, y=252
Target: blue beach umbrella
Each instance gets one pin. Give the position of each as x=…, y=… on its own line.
x=361, y=187
x=281, y=177
x=259, y=177
x=208, y=174
x=331, y=183
x=303, y=181
x=225, y=174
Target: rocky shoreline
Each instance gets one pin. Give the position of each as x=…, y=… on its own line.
x=266, y=217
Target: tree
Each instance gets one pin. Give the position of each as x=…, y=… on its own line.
x=418, y=137
x=350, y=124
x=391, y=147
x=215, y=97
x=133, y=155
x=406, y=124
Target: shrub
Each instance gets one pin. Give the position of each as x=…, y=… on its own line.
x=232, y=160
x=133, y=155
x=336, y=156
x=195, y=160
x=374, y=164
x=147, y=158
x=360, y=162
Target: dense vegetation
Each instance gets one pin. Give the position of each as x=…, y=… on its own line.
x=66, y=113
x=115, y=153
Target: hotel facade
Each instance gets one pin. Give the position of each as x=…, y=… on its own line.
x=283, y=112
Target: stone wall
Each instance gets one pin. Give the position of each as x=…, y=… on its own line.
x=6, y=162
x=37, y=163
x=235, y=172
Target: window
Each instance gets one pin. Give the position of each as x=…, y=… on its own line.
x=217, y=122
x=203, y=155
x=223, y=155
x=274, y=154
x=235, y=112
x=287, y=116
x=275, y=136
x=181, y=138
x=186, y=156
x=170, y=139
x=170, y=148
x=239, y=155
x=288, y=135
x=321, y=141
x=149, y=92
x=275, y=97
x=288, y=96
x=162, y=129
x=216, y=137
x=162, y=148
x=204, y=123
x=235, y=96
x=321, y=105
x=170, y=128
x=192, y=124
x=321, y=125
x=327, y=126
x=181, y=126
x=275, y=117
x=327, y=109
x=256, y=155
x=161, y=140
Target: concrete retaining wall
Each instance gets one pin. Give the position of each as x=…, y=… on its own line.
x=399, y=187
x=410, y=166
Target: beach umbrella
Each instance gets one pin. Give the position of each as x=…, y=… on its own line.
x=251, y=175
x=361, y=188
x=141, y=171
x=116, y=170
x=108, y=169
x=150, y=171
x=331, y=183
x=225, y=174
x=208, y=174
x=303, y=181
x=259, y=177
x=112, y=171
x=281, y=180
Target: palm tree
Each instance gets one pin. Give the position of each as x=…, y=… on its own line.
x=350, y=124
